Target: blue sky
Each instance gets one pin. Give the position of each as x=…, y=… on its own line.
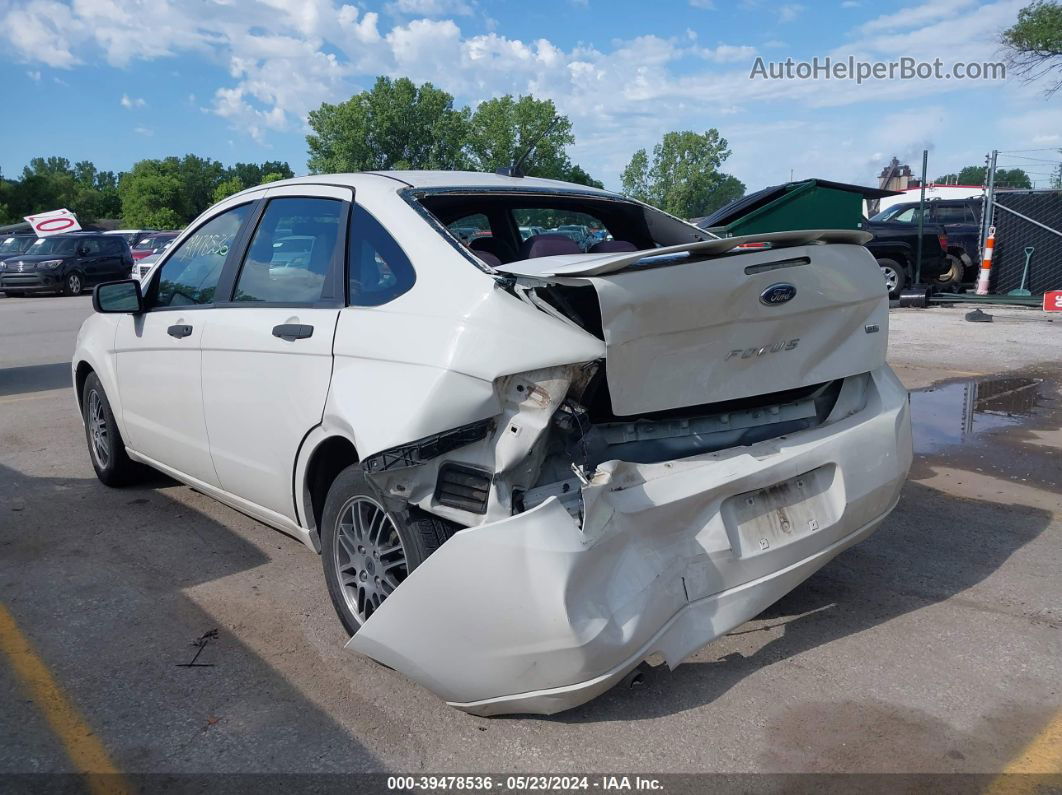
x=114, y=81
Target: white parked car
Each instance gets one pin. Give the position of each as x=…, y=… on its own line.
x=527, y=468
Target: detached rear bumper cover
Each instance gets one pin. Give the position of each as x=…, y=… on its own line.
x=536, y=614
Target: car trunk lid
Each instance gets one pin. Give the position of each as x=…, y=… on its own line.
x=703, y=323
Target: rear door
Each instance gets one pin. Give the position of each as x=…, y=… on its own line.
x=113, y=264
x=90, y=260
x=267, y=349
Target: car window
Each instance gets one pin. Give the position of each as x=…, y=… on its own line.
x=291, y=253
x=379, y=270
x=52, y=245
x=584, y=229
x=191, y=273
x=950, y=215
x=470, y=227
x=89, y=247
x=112, y=245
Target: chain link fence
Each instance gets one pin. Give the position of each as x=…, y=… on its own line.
x=1040, y=229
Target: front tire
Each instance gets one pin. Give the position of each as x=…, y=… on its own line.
x=366, y=550
x=106, y=449
x=74, y=283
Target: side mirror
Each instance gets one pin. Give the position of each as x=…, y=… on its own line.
x=122, y=297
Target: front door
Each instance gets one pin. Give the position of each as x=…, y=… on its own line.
x=267, y=352
x=159, y=353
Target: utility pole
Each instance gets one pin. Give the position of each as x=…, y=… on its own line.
x=988, y=203
x=921, y=216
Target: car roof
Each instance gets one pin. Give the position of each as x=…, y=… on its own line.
x=434, y=179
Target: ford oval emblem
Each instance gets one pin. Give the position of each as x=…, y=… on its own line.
x=778, y=294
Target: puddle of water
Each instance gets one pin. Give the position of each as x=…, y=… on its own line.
x=959, y=413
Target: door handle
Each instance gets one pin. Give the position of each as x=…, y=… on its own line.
x=180, y=332
x=293, y=331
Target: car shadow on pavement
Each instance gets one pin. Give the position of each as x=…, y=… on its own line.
x=932, y=547
x=104, y=584
x=34, y=378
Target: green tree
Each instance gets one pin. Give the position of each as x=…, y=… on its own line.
x=683, y=176
x=251, y=174
x=502, y=129
x=635, y=177
x=151, y=195
x=1034, y=44
x=975, y=175
x=227, y=187
x=396, y=124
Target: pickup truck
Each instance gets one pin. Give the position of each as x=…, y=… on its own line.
x=960, y=219
x=895, y=247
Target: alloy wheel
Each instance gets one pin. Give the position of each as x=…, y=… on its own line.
x=97, y=420
x=73, y=284
x=892, y=278
x=369, y=556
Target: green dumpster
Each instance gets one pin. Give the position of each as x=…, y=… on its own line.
x=807, y=204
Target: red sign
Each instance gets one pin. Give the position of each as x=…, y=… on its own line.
x=1053, y=301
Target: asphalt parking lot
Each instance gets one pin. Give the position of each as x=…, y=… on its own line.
x=935, y=646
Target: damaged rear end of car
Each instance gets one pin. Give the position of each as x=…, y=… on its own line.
x=724, y=426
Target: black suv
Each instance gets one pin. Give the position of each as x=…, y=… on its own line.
x=66, y=263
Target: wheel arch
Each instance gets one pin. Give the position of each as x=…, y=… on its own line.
x=323, y=456
x=81, y=373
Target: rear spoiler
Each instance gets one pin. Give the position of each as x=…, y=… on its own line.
x=600, y=264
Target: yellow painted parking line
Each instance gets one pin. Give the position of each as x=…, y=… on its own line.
x=1041, y=757
x=84, y=749
x=34, y=396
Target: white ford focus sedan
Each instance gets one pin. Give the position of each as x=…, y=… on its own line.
x=527, y=464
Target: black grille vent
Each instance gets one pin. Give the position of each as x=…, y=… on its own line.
x=463, y=487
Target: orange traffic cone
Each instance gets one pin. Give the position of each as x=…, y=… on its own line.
x=986, y=263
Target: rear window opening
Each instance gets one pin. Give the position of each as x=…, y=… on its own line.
x=505, y=223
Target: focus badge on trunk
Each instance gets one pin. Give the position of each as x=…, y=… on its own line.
x=778, y=294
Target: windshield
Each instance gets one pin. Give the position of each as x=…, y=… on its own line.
x=904, y=213
x=11, y=245
x=153, y=242
x=52, y=245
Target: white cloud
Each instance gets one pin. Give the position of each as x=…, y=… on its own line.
x=34, y=75
x=917, y=16
x=145, y=131
x=430, y=8
x=707, y=5
x=729, y=53
x=132, y=102
x=789, y=11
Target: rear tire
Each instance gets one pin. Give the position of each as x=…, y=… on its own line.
x=895, y=276
x=368, y=551
x=74, y=283
x=106, y=449
x=954, y=274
